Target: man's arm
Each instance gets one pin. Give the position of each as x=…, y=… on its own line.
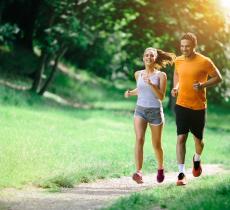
x=174, y=91
x=215, y=78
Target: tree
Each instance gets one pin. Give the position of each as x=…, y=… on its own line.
x=54, y=35
x=24, y=18
x=162, y=23
x=108, y=36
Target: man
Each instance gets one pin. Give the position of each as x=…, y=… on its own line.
x=193, y=74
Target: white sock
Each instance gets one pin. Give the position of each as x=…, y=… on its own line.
x=139, y=171
x=181, y=168
x=196, y=157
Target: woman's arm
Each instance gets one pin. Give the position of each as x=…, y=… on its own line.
x=160, y=92
x=130, y=93
x=134, y=91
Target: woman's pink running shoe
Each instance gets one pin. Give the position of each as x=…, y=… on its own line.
x=160, y=175
x=137, y=177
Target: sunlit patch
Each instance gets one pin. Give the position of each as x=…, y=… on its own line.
x=225, y=4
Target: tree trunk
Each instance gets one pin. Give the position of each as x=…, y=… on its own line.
x=29, y=22
x=2, y=5
x=24, y=14
x=39, y=72
x=54, y=69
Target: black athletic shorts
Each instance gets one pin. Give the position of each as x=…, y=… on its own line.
x=190, y=120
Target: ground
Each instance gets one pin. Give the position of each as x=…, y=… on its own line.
x=87, y=196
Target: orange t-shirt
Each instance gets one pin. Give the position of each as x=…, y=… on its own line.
x=190, y=71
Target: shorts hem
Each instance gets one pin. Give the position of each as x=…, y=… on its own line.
x=182, y=133
x=197, y=136
x=156, y=124
x=141, y=118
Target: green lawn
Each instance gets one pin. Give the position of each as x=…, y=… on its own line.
x=206, y=193
x=53, y=146
x=50, y=145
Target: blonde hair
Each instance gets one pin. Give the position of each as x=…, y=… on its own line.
x=163, y=58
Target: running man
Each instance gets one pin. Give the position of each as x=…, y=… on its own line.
x=193, y=74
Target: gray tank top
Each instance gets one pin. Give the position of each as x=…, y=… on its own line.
x=146, y=97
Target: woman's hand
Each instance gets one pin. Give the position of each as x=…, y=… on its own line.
x=146, y=78
x=127, y=93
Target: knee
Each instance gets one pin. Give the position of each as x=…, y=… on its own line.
x=181, y=140
x=157, y=146
x=140, y=141
x=200, y=143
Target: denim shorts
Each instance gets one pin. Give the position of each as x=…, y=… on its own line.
x=154, y=116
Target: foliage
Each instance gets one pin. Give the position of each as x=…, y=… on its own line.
x=60, y=28
x=8, y=33
x=17, y=62
x=108, y=37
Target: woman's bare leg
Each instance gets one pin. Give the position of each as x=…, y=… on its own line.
x=156, y=132
x=140, y=126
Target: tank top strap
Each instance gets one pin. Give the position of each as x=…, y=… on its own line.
x=140, y=74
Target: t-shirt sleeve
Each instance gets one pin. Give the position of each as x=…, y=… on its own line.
x=211, y=68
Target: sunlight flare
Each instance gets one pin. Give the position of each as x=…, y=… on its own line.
x=225, y=4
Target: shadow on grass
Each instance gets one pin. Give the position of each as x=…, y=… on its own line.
x=218, y=129
x=12, y=90
x=3, y=206
x=18, y=96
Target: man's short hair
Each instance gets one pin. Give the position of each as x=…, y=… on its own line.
x=190, y=36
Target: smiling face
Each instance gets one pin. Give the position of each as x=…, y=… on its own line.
x=150, y=56
x=187, y=48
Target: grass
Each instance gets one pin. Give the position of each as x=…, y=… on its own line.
x=218, y=118
x=207, y=193
x=53, y=146
x=43, y=143
x=92, y=88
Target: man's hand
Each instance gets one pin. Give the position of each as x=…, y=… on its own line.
x=174, y=92
x=197, y=86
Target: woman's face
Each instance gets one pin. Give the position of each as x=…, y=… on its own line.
x=150, y=57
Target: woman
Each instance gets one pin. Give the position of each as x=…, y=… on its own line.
x=151, y=87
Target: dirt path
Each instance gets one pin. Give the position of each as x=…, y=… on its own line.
x=86, y=196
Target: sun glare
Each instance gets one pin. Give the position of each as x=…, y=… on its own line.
x=225, y=4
